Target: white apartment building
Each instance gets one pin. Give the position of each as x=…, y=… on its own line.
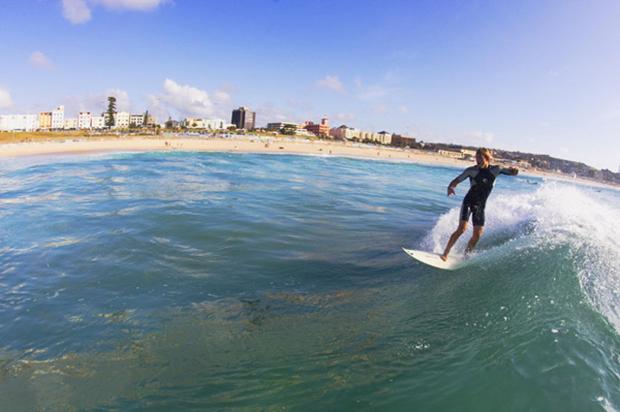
x=85, y=120
x=19, y=122
x=370, y=136
x=384, y=137
x=192, y=123
x=450, y=153
x=345, y=133
x=277, y=126
x=136, y=120
x=71, y=123
x=58, y=117
x=214, y=124
x=349, y=133
x=97, y=122
x=196, y=123
x=121, y=120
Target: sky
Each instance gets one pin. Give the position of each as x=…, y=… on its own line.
x=533, y=76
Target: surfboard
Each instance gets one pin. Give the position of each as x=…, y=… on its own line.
x=433, y=259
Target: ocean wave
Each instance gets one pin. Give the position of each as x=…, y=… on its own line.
x=556, y=216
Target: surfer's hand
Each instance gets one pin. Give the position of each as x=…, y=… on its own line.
x=451, y=190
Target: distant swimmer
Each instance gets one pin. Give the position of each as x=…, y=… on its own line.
x=481, y=179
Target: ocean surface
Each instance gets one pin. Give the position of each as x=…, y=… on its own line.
x=184, y=281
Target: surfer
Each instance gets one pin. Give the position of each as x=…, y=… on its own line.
x=481, y=179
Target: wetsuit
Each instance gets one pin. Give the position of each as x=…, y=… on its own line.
x=481, y=181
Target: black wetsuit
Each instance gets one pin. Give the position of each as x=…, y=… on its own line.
x=481, y=181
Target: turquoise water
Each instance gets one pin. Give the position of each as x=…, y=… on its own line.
x=260, y=282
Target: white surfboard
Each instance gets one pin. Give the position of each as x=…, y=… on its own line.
x=433, y=259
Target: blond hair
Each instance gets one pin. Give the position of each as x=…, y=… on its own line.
x=485, y=153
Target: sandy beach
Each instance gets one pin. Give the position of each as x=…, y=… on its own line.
x=246, y=144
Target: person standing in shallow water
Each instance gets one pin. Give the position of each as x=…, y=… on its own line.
x=481, y=178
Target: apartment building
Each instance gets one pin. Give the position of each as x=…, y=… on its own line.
x=45, y=120
x=19, y=122
x=97, y=122
x=344, y=133
x=121, y=120
x=85, y=120
x=136, y=120
x=58, y=118
x=71, y=123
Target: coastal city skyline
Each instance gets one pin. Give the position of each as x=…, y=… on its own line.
x=535, y=77
x=241, y=118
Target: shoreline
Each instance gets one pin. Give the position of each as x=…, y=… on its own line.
x=73, y=145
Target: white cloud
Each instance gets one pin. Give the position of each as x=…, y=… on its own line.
x=79, y=11
x=220, y=96
x=332, y=83
x=480, y=136
x=344, y=117
x=97, y=103
x=545, y=124
x=380, y=108
x=378, y=90
x=403, y=109
x=300, y=105
x=372, y=92
x=123, y=104
x=270, y=113
x=76, y=11
x=611, y=112
x=40, y=61
x=186, y=100
x=5, y=99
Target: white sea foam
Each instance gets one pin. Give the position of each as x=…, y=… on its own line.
x=555, y=215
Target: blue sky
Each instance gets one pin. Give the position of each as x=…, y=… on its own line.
x=535, y=76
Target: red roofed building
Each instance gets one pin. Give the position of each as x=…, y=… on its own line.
x=321, y=129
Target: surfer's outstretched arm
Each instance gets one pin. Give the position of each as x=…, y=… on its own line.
x=510, y=171
x=452, y=186
x=469, y=172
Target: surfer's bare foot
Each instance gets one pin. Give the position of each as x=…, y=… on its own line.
x=443, y=257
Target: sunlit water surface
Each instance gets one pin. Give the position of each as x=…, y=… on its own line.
x=184, y=281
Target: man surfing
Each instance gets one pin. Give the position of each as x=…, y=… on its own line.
x=481, y=179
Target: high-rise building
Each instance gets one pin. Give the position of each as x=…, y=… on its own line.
x=244, y=118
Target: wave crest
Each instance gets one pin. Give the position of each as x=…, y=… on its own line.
x=555, y=215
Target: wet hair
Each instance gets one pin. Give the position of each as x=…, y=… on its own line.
x=485, y=153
